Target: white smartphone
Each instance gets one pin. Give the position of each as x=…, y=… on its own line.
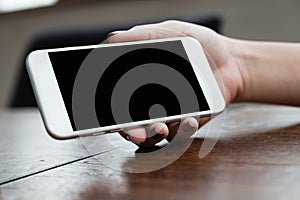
x=106, y=88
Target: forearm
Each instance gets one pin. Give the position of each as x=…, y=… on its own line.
x=271, y=71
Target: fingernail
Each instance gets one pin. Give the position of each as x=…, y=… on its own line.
x=159, y=128
x=189, y=126
x=114, y=33
x=157, y=133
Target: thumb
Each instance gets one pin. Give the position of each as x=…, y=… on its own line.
x=142, y=33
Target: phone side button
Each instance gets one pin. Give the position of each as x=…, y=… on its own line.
x=114, y=131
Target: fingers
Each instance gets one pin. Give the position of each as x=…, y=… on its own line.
x=174, y=126
x=155, y=133
x=147, y=137
x=173, y=129
x=184, y=130
x=136, y=135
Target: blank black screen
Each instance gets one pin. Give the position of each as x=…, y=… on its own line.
x=66, y=65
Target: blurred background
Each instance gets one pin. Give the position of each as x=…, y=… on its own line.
x=24, y=27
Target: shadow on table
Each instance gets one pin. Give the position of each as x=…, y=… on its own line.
x=256, y=162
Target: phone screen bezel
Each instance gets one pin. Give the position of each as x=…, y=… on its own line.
x=53, y=109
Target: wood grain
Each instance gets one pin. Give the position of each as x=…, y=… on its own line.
x=256, y=157
x=26, y=148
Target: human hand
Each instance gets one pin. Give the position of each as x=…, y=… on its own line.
x=219, y=49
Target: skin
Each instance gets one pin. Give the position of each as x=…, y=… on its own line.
x=266, y=72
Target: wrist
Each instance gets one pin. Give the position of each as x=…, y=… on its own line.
x=244, y=59
x=241, y=58
x=269, y=71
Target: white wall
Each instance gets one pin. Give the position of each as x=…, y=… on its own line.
x=260, y=20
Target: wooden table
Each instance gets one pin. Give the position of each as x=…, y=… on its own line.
x=257, y=157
